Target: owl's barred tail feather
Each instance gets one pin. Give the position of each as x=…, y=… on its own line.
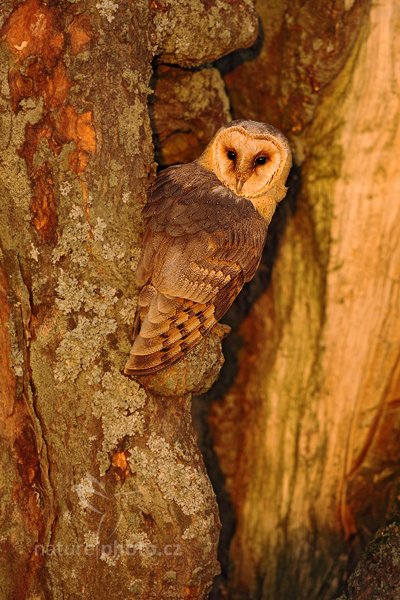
x=169, y=327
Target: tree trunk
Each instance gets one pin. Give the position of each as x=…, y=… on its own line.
x=104, y=492
x=307, y=429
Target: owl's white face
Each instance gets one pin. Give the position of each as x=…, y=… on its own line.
x=248, y=164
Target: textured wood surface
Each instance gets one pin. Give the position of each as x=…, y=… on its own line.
x=103, y=489
x=308, y=433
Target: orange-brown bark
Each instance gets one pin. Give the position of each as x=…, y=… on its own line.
x=307, y=432
x=104, y=492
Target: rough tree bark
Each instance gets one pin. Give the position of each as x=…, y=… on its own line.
x=103, y=490
x=377, y=574
x=307, y=433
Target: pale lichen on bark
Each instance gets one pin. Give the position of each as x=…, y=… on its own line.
x=120, y=405
x=75, y=81
x=181, y=26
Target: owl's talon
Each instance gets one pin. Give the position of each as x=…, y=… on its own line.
x=221, y=330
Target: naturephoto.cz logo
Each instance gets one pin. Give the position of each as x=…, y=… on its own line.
x=112, y=550
x=110, y=539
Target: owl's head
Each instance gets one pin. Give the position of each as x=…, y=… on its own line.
x=252, y=159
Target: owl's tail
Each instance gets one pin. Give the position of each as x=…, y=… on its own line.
x=166, y=328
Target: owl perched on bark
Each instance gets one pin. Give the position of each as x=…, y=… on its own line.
x=206, y=226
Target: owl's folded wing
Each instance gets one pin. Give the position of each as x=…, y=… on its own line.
x=197, y=256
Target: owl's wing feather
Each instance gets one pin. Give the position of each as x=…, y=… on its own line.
x=201, y=244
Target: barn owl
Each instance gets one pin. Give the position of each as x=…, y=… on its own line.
x=205, y=228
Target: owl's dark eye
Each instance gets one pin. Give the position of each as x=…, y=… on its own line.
x=231, y=155
x=260, y=160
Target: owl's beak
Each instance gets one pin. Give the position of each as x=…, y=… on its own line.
x=240, y=181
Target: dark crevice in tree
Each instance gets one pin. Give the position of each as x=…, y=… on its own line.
x=150, y=106
x=231, y=61
x=152, y=100
x=44, y=465
x=157, y=62
x=231, y=345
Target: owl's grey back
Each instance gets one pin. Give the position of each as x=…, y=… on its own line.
x=201, y=244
